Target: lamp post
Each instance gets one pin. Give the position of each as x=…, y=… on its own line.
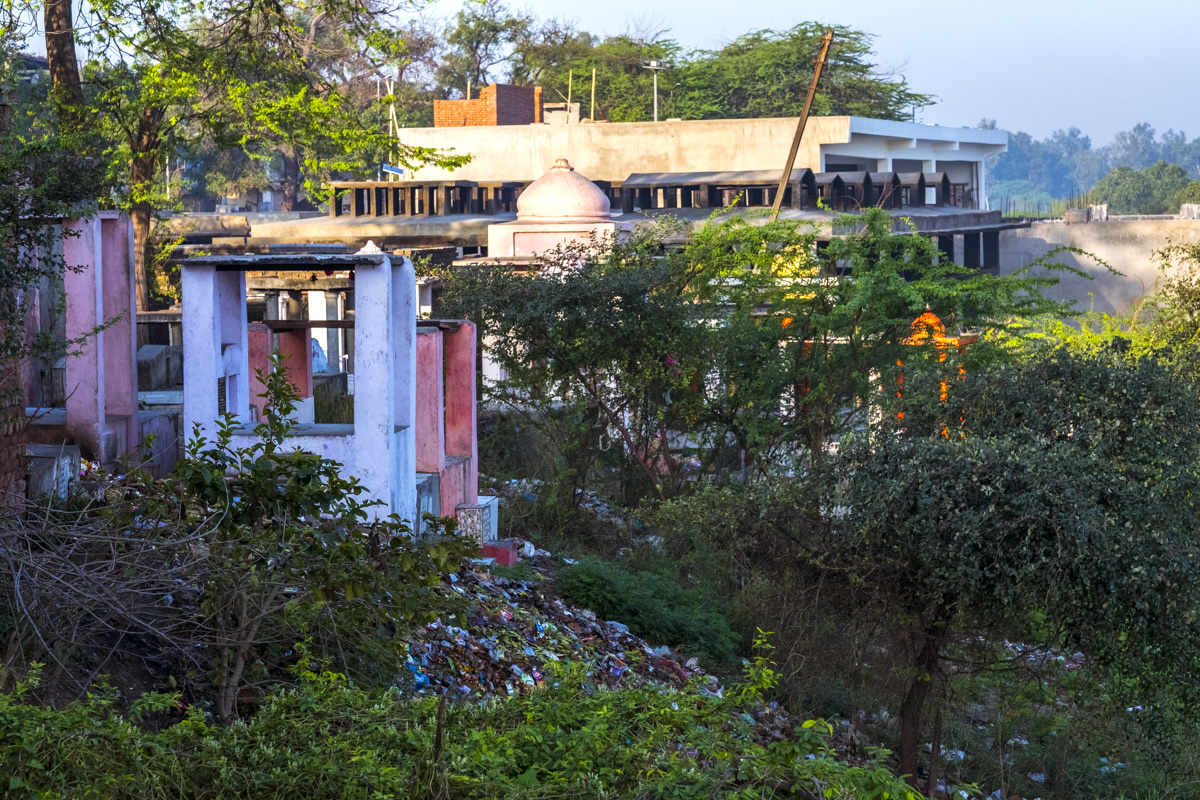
x=655, y=66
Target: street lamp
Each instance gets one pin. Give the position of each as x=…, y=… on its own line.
x=655, y=66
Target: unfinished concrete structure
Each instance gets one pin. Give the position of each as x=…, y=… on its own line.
x=412, y=442
x=99, y=413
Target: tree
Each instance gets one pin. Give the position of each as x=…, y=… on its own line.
x=1063, y=518
x=747, y=348
x=1154, y=190
x=480, y=41
x=167, y=74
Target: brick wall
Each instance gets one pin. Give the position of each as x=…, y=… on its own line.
x=496, y=105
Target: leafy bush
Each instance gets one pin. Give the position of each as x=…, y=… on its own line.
x=654, y=607
x=328, y=738
x=218, y=571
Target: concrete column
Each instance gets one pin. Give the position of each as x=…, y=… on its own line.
x=296, y=349
x=404, y=389
x=120, y=338
x=201, y=349
x=431, y=403
x=84, y=379
x=258, y=354
x=461, y=438
x=372, y=460
x=233, y=347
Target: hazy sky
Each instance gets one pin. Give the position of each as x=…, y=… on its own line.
x=1032, y=65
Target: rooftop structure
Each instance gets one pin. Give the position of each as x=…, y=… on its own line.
x=611, y=151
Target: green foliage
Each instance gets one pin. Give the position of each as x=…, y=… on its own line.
x=291, y=531
x=654, y=606
x=330, y=739
x=1154, y=190
x=762, y=73
x=621, y=343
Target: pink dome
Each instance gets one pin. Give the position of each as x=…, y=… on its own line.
x=563, y=195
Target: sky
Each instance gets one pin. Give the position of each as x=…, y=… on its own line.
x=1032, y=65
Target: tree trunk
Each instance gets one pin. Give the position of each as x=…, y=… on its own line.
x=291, y=183
x=910, y=710
x=63, y=63
x=143, y=170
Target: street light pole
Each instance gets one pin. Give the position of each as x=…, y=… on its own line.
x=654, y=67
x=656, y=95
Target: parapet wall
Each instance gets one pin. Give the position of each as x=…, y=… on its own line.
x=1125, y=245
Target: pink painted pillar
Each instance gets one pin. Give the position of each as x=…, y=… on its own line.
x=101, y=379
x=431, y=409
x=85, y=310
x=120, y=338
x=297, y=351
x=258, y=348
x=461, y=438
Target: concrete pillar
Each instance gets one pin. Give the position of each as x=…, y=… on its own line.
x=233, y=347
x=258, y=354
x=201, y=349
x=101, y=380
x=295, y=347
x=85, y=305
x=374, y=413
x=404, y=389
x=461, y=438
x=431, y=403
x=120, y=345
x=883, y=164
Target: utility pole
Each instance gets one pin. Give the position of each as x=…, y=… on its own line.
x=826, y=40
x=592, y=115
x=655, y=66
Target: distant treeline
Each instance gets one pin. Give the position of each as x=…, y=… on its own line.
x=1139, y=172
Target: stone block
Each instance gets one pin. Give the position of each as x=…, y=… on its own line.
x=50, y=469
x=480, y=521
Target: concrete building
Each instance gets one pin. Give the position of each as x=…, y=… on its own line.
x=611, y=151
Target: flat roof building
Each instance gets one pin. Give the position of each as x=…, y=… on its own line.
x=611, y=151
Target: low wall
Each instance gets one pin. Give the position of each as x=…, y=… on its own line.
x=1126, y=245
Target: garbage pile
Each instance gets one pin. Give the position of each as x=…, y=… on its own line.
x=516, y=631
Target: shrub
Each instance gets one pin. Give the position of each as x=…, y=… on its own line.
x=328, y=738
x=654, y=606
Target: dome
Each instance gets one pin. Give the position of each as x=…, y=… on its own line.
x=563, y=195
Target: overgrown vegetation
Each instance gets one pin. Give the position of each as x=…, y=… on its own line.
x=215, y=575
x=654, y=606
x=984, y=558
x=328, y=738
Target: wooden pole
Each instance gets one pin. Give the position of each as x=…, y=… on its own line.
x=826, y=40
x=592, y=116
x=570, y=77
